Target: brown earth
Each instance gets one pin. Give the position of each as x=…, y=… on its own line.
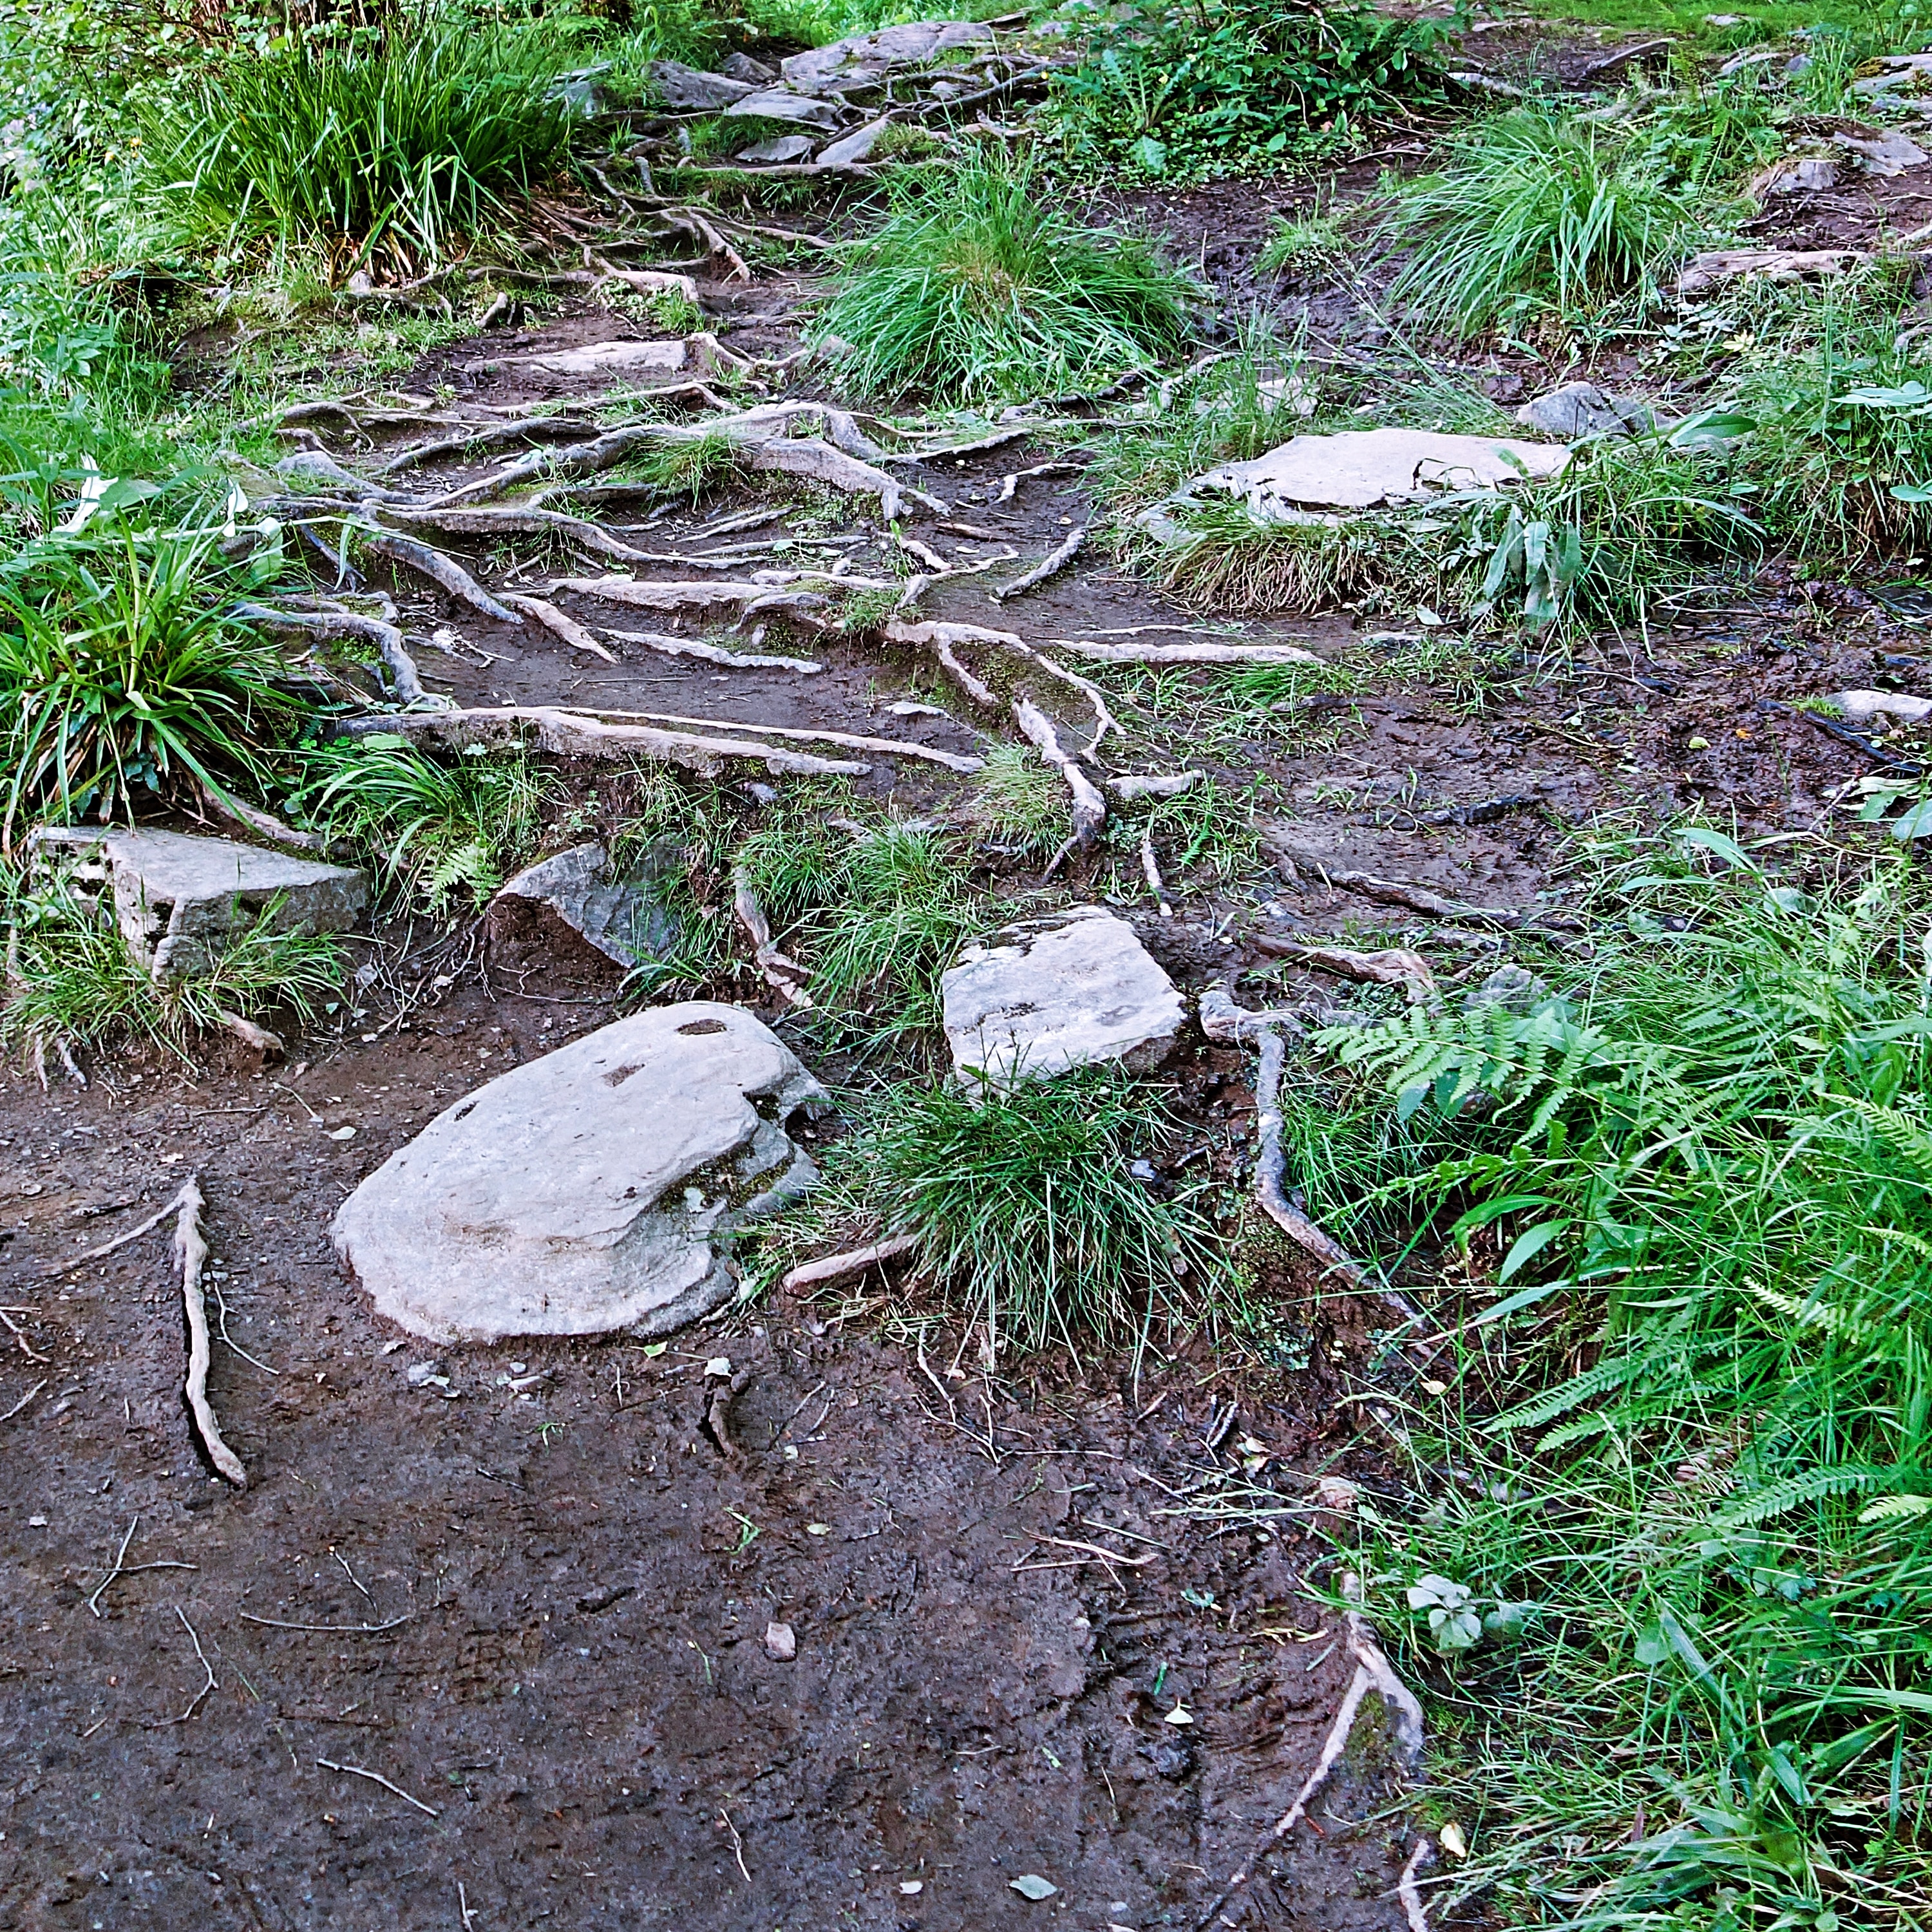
x=570, y=1579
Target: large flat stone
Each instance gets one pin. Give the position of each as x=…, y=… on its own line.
x=1070, y=990
x=595, y=1189
x=177, y=897
x=693, y=89
x=862, y=60
x=783, y=104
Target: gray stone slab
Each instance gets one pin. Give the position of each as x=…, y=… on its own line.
x=781, y=103
x=1073, y=990
x=621, y=915
x=863, y=59
x=781, y=147
x=595, y=1189
x=177, y=897
x=693, y=90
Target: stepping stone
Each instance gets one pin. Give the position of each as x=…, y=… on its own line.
x=1578, y=409
x=783, y=147
x=694, y=90
x=1070, y=990
x=177, y=897
x=862, y=60
x=594, y=1189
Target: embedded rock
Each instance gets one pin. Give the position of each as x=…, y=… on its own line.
x=1578, y=409
x=1716, y=266
x=595, y=1189
x=863, y=60
x=694, y=90
x=1861, y=707
x=781, y=103
x=849, y=150
x=783, y=147
x=622, y=917
x=1363, y=469
x=177, y=898
x=1069, y=991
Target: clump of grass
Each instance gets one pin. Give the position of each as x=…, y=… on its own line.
x=1024, y=1206
x=1687, y=1544
x=1226, y=560
x=124, y=673
x=386, y=151
x=1311, y=244
x=71, y=981
x=976, y=287
x=1018, y=805
x=446, y=835
x=876, y=917
x=1536, y=214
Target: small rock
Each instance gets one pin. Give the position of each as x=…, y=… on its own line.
x=1578, y=409
x=1180, y=1715
x=177, y=897
x=1030, y=1885
x=783, y=147
x=691, y=88
x=551, y=1200
x=1860, y=707
x=1071, y=990
x=1884, y=153
x=850, y=149
x=1515, y=987
x=781, y=1642
x=575, y=896
x=911, y=1888
x=420, y=1372
x=744, y=67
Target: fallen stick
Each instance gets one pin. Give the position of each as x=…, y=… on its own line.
x=20, y=1340
x=829, y=1268
x=1372, y=1672
x=201, y=1695
x=687, y=647
x=122, y=1567
x=23, y=1402
x=1054, y=561
x=785, y=976
x=1150, y=870
x=577, y=734
x=325, y=1630
x=191, y=1251
x=567, y=628
x=1008, y=484
x=376, y=1778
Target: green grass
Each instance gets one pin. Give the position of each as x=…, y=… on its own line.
x=976, y=287
x=446, y=835
x=1024, y=1208
x=383, y=157
x=71, y=981
x=1537, y=215
x=124, y=678
x=1018, y=804
x=1689, y=1428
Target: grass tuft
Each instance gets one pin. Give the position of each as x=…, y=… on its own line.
x=976, y=288
x=1024, y=1206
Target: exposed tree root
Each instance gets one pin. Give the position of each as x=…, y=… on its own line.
x=1270, y=1160
x=687, y=647
x=334, y=622
x=1183, y=654
x=252, y=818
x=1393, y=966
x=191, y=1252
x=1054, y=561
x=1372, y=1672
x=785, y=976
x=1090, y=807
x=575, y=734
x=566, y=627
x=829, y=1268
x=432, y=564
x=892, y=748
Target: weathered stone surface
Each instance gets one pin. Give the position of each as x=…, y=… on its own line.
x=1883, y=151
x=1361, y=470
x=1716, y=266
x=620, y=917
x=177, y=897
x=850, y=149
x=1578, y=409
x=1860, y=707
x=781, y=103
x=594, y=1189
x=1054, y=993
x=781, y=147
x=748, y=67
x=863, y=59
x=694, y=90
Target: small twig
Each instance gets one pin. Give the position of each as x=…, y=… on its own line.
x=23, y=1402
x=210, y=1686
x=737, y=1843
x=26, y=1349
x=327, y=1630
x=351, y=1575
x=221, y=1315
x=376, y=1778
x=123, y=1568
x=463, y=1906
x=1093, y=1549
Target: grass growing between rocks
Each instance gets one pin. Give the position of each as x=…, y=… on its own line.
x=70, y=982
x=976, y=288
x=1673, y=1511
x=1025, y=1207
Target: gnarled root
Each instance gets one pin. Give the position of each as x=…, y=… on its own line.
x=191, y=1252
